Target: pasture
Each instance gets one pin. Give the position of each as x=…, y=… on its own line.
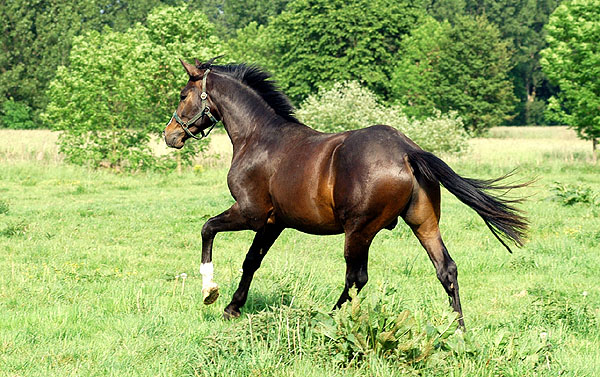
x=91, y=275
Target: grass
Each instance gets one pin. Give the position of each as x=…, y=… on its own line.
x=90, y=258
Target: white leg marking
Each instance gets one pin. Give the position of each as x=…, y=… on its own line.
x=207, y=270
x=210, y=289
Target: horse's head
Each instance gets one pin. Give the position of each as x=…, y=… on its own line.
x=196, y=111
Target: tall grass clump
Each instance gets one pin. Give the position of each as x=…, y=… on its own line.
x=349, y=106
x=3, y=207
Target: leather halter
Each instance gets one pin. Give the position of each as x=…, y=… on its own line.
x=205, y=111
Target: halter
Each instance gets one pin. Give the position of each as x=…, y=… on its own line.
x=205, y=111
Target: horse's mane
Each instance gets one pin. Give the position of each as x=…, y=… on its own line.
x=260, y=82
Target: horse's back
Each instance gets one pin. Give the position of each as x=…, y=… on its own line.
x=327, y=179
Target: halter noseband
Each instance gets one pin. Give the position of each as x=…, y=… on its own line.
x=205, y=111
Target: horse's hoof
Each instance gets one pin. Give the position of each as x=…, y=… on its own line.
x=210, y=294
x=229, y=313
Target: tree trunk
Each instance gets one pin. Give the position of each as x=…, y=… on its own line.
x=178, y=163
x=595, y=150
x=530, y=89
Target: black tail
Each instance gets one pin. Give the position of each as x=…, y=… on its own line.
x=497, y=212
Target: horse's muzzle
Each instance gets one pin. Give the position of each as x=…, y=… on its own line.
x=174, y=140
x=174, y=137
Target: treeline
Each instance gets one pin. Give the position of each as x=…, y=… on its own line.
x=479, y=58
x=311, y=43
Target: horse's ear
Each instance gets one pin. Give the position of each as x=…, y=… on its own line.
x=190, y=69
x=206, y=64
x=209, y=62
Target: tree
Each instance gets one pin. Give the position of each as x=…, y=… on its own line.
x=37, y=35
x=120, y=88
x=521, y=22
x=572, y=61
x=318, y=42
x=254, y=45
x=229, y=16
x=462, y=67
x=238, y=14
x=16, y=115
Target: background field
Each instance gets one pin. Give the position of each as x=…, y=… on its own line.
x=89, y=261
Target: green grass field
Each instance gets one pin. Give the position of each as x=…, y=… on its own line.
x=89, y=261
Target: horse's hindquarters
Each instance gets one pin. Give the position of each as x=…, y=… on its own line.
x=373, y=180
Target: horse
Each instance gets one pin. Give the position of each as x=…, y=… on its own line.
x=285, y=174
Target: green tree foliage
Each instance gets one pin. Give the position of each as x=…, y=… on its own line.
x=521, y=22
x=237, y=14
x=120, y=88
x=16, y=115
x=229, y=16
x=462, y=67
x=37, y=35
x=120, y=15
x=445, y=10
x=318, y=42
x=350, y=106
x=572, y=61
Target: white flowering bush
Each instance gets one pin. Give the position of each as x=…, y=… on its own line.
x=349, y=106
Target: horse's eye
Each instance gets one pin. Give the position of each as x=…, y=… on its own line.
x=182, y=97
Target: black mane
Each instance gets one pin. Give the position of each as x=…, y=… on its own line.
x=260, y=82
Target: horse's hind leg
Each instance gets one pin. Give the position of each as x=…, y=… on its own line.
x=423, y=218
x=263, y=241
x=445, y=267
x=356, y=253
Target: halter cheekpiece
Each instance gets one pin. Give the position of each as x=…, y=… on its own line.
x=205, y=111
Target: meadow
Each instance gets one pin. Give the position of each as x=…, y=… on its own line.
x=91, y=282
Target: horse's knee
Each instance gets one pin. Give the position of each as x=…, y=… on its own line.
x=207, y=230
x=450, y=270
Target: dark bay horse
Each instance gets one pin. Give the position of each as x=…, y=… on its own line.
x=287, y=175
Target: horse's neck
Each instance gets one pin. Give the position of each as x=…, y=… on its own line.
x=246, y=117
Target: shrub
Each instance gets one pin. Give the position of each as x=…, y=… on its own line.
x=120, y=89
x=349, y=106
x=16, y=115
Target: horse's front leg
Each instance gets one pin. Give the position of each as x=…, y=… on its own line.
x=229, y=220
x=263, y=241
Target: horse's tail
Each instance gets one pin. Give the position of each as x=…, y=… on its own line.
x=497, y=212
